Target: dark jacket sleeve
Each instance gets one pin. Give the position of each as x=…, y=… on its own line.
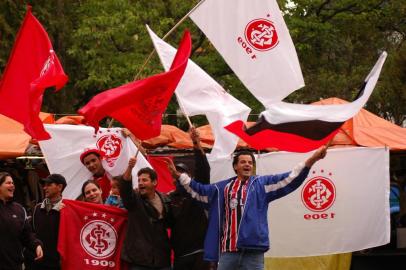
x=28, y=237
x=202, y=167
x=127, y=194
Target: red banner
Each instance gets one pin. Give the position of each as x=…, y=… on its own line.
x=32, y=67
x=91, y=236
x=165, y=179
x=139, y=105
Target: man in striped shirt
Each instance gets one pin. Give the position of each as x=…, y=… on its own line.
x=237, y=234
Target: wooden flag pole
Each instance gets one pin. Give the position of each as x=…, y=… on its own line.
x=136, y=77
x=166, y=35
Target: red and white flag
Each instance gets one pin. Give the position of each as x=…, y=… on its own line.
x=254, y=41
x=139, y=105
x=198, y=94
x=62, y=153
x=91, y=236
x=32, y=67
x=300, y=127
x=342, y=206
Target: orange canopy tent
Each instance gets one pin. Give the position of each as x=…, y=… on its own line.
x=368, y=129
x=13, y=140
x=364, y=129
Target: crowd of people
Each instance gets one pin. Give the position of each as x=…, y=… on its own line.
x=212, y=226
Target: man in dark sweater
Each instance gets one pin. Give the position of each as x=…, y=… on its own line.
x=45, y=222
x=146, y=245
x=190, y=220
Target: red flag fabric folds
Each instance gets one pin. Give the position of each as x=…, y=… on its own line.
x=139, y=105
x=91, y=235
x=32, y=67
x=165, y=179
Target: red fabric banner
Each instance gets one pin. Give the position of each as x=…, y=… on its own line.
x=32, y=67
x=165, y=179
x=139, y=105
x=282, y=141
x=91, y=235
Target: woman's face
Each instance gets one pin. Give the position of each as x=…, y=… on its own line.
x=7, y=189
x=93, y=193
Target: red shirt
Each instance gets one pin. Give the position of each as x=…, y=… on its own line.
x=105, y=185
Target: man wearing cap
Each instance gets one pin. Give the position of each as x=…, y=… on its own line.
x=92, y=160
x=45, y=221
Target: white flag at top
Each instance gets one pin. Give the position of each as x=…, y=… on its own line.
x=199, y=94
x=253, y=39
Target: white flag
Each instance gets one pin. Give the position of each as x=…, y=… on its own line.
x=342, y=206
x=253, y=39
x=62, y=153
x=198, y=93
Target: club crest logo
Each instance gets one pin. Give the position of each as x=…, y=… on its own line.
x=318, y=194
x=47, y=64
x=98, y=238
x=111, y=146
x=261, y=34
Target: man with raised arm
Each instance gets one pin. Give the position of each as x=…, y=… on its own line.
x=146, y=244
x=237, y=235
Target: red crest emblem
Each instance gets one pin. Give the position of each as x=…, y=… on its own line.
x=111, y=146
x=261, y=34
x=318, y=194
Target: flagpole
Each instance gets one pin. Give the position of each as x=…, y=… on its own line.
x=153, y=51
x=166, y=35
x=183, y=111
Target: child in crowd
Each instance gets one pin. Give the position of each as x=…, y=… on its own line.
x=114, y=198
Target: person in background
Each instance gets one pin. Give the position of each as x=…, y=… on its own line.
x=92, y=160
x=114, y=198
x=190, y=220
x=45, y=222
x=15, y=230
x=92, y=192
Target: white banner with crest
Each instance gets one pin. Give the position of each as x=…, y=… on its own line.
x=342, y=206
x=67, y=142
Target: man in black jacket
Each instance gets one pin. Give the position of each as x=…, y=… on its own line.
x=190, y=220
x=45, y=222
x=146, y=245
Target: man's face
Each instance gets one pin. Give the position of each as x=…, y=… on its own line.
x=93, y=163
x=146, y=186
x=52, y=190
x=244, y=167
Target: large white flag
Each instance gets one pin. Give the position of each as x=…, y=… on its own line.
x=62, y=153
x=342, y=206
x=198, y=93
x=253, y=39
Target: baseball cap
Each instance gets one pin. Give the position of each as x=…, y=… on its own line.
x=55, y=178
x=182, y=167
x=87, y=152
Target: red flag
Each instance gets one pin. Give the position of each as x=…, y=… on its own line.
x=91, y=235
x=139, y=105
x=32, y=67
x=165, y=179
